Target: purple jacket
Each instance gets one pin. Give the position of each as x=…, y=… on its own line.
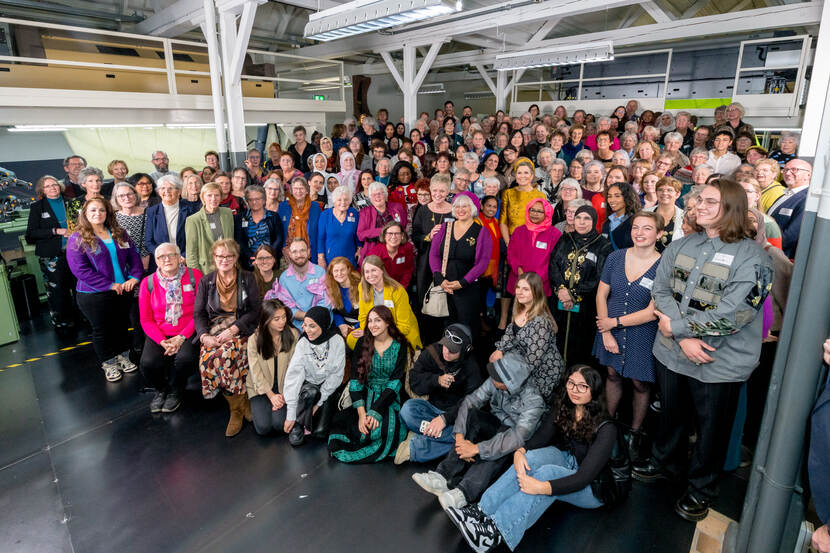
x=94, y=269
x=366, y=229
x=484, y=248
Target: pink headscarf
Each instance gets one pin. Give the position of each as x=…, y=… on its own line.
x=537, y=228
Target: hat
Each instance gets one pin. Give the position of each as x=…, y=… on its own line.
x=493, y=372
x=456, y=338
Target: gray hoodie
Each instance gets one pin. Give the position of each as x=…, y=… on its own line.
x=520, y=407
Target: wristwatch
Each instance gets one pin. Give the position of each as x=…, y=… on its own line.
x=619, y=323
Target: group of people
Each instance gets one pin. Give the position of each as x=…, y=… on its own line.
x=346, y=290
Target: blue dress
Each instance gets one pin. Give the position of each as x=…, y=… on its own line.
x=635, y=342
x=336, y=239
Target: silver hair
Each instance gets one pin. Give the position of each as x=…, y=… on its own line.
x=158, y=152
x=701, y=151
x=628, y=134
x=89, y=171
x=168, y=245
x=273, y=180
x=256, y=189
x=461, y=171
x=626, y=160
x=114, y=201
x=559, y=161
x=461, y=199
x=582, y=154
x=470, y=156
x=548, y=150
x=701, y=167
x=527, y=130
x=490, y=180
x=685, y=114
x=789, y=134
x=369, y=120
x=594, y=163
x=674, y=136
x=569, y=183
x=170, y=178
x=604, y=119
x=378, y=186
x=342, y=191
x=738, y=105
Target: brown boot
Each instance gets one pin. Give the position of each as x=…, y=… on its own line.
x=246, y=408
x=235, y=422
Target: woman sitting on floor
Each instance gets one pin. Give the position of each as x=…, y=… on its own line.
x=370, y=430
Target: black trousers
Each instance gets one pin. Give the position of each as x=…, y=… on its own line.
x=473, y=478
x=712, y=405
x=308, y=398
x=465, y=308
x=266, y=420
x=137, y=336
x=60, y=288
x=109, y=315
x=167, y=372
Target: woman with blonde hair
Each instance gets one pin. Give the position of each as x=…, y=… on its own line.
x=529, y=334
x=342, y=287
x=378, y=288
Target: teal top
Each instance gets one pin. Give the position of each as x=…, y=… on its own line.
x=59, y=208
x=116, y=268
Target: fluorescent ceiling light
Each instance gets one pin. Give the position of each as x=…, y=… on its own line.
x=561, y=55
x=363, y=16
x=61, y=128
x=432, y=89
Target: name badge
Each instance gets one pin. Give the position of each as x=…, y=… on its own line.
x=646, y=283
x=400, y=260
x=448, y=219
x=723, y=259
x=389, y=303
x=786, y=212
x=45, y=215
x=213, y=226
x=602, y=205
x=397, y=218
x=244, y=224
x=187, y=288
x=541, y=245
x=591, y=256
x=350, y=218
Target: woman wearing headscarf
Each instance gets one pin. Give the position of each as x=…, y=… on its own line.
x=349, y=173
x=318, y=163
x=327, y=149
x=574, y=272
x=532, y=245
x=315, y=372
x=665, y=123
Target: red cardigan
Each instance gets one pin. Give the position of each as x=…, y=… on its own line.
x=401, y=267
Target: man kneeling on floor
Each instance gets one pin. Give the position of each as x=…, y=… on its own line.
x=484, y=440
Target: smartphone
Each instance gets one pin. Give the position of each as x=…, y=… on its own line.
x=424, y=425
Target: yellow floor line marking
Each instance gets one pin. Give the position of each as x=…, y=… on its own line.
x=13, y=365
x=51, y=354
x=69, y=348
x=84, y=343
x=32, y=359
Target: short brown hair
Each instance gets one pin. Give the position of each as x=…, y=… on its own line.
x=654, y=216
x=669, y=181
x=734, y=223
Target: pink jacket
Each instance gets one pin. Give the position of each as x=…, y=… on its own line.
x=533, y=256
x=151, y=306
x=366, y=229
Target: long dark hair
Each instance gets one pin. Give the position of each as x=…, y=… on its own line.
x=595, y=410
x=264, y=341
x=364, y=363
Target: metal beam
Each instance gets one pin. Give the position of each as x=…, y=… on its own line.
x=426, y=63
x=692, y=10
x=490, y=84
x=656, y=12
x=177, y=18
x=71, y=10
x=313, y=5
x=243, y=34
x=465, y=23
x=390, y=64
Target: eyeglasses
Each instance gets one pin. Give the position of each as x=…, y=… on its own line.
x=225, y=257
x=538, y=211
x=166, y=256
x=578, y=387
x=394, y=233
x=265, y=258
x=795, y=170
x=159, y=159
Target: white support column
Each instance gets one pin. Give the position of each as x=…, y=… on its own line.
x=243, y=35
x=215, y=57
x=233, y=90
x=501, y=90
x=410, y=93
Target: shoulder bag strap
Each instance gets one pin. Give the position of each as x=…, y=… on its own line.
x=447, y=238
x=437, y=358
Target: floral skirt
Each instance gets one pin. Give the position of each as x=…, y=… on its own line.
x=224, y=368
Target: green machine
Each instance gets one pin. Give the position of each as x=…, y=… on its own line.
x=8, y=317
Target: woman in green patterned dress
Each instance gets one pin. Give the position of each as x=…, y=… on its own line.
x=370, y=430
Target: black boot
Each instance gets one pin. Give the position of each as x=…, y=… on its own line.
x=323, y=420
x=691, y=507
x=297, y=435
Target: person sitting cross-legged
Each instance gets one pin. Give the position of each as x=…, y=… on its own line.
x=485, y=439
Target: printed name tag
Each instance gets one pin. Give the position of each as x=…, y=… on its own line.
x=786, y=212
x=187, y=288
x=400, y=260
x=591, y=256
x=602, y=205
x=45, y=215
x=448, y=219
x=350, y=218
x=244, y=224
x=213, y=226
x=723, y=258
x=646, y=283
x=397, y=218
x=389, y=303
x=541, y=245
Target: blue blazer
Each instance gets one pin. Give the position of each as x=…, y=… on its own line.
x=284, y=212
x=155, y=228
x=788, y=216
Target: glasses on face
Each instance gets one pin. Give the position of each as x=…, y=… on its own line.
x=794, y=170
x=224, y=257
x=160, y=159
x=393, y=234
x=123, y=196
x=166, y=256
x=578, y=387
x=462, y=180
x=538, y=211
x=265, y=258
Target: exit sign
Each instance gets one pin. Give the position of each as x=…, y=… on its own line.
x=319, y=97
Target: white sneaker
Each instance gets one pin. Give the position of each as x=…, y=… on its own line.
x=111, y=372
x=431, y=481
x=402, y=455
x=452, y=498
x=126, y=365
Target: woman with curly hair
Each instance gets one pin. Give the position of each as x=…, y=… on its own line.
x=370, y=430
x=622, y=204
x=561, y=461
x=108, y=267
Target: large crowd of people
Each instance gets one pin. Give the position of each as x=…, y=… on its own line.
x=513, y=296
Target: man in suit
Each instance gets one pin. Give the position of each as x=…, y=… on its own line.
x=789, y=208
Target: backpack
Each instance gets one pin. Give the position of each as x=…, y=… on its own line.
x=149, y=280
x=613, y=484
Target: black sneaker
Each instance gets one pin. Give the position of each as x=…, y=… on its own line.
x=158, y=402
x=482, y=537
x=469, y=512
x=171, y=402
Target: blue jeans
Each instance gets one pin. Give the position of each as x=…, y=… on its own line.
x=514, y=511
x=423, y=448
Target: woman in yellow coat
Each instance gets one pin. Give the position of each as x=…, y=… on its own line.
x=378, y=288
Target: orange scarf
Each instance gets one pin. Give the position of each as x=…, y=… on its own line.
x=298, y=227
x=492, y=224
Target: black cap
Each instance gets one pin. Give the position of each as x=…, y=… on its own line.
x=456, y=338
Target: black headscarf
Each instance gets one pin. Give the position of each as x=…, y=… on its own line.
x=321, y=316
x=581, y=240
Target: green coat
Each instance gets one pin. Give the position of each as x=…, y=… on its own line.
x=200, y=238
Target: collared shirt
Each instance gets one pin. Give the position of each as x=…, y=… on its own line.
x=725, y=164
x=301, y=293
x=714, y=291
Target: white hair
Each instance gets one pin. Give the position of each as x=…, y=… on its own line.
x=378, y=186
x=170, y=178
x=167, y=245
x=464, y=199
x=569, y=183
x=789, y=134
x=470, y=156
x=342, y=191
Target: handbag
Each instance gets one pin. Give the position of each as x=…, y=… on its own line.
x=613, y=484
x=435, y=301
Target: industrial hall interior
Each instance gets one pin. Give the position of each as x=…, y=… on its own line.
x=336, y=276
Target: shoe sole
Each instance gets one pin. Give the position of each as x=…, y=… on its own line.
x=456, y=518
x=123, y=370
x=649, y=479
x=113, y=379
x=171, y=409
x=470, y=539
x=155, y=411
x=426, y=488
x=688, y=516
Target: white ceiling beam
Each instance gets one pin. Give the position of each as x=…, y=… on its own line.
x=545, y=29
x=483, y=72
x=656, y=12
x=481, y=42
x=426, y=64
x=390, y=64
x=313, y=5
x=693, y=10
x=177, y=18
x=464, y=23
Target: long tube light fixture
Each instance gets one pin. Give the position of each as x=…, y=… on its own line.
x=560, y=55
x=363, y=16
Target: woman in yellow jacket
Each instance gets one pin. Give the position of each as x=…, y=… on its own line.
x=378, y=288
